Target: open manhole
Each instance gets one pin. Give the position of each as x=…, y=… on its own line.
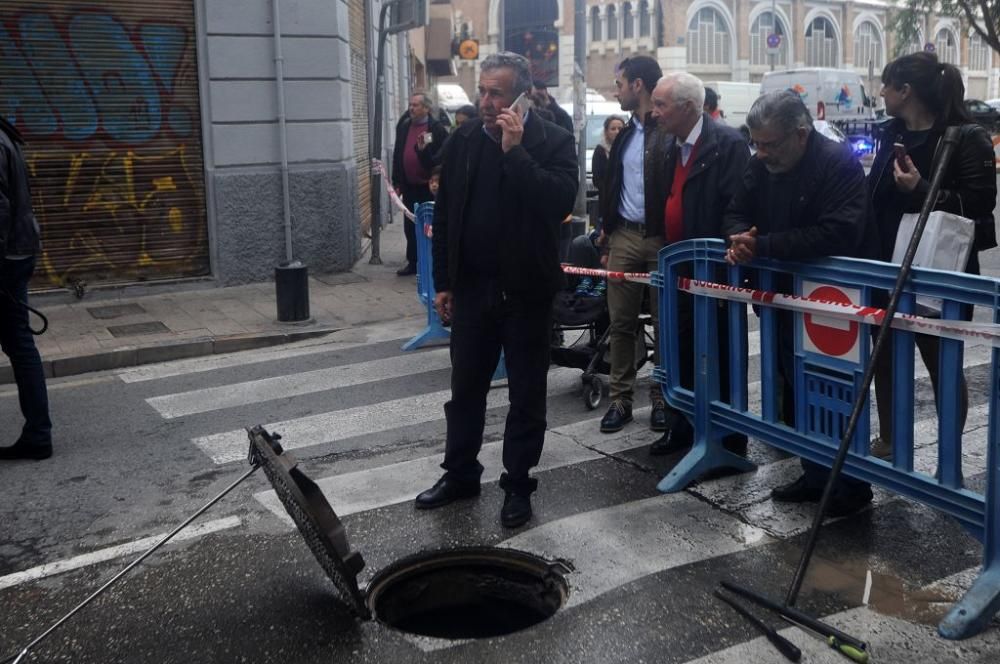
x=462, y=593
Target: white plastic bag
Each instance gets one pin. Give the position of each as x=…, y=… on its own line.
x=945, y=245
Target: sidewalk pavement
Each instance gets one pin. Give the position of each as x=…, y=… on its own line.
x=127, y=326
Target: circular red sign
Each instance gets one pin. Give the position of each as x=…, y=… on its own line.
x=830, y=340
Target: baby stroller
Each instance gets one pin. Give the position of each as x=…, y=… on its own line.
x=581, y=327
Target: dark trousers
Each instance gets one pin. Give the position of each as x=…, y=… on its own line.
x=18, y=345
x=413, y=194
x=484, y=321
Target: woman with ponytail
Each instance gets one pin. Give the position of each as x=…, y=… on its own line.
x=924, y=97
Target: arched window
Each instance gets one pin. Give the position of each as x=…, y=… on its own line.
x=612, y=22
x=643, y=18
x=979, y=53
x=708, y=39
x=821, y=44
x=764, y=25
x=946, y=46
x=868, y=46
x=628, y=21
x=595, y=23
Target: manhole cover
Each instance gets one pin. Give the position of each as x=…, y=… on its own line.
x=136, y=329
x=115, y=311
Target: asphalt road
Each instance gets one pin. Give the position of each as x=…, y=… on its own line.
x=139, y=450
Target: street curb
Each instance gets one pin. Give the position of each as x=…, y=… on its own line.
x=133, y=356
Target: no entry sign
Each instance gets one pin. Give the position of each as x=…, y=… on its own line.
x=829, y=336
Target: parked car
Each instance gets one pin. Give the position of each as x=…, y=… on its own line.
x=983, y=114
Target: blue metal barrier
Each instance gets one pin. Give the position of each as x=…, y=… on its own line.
x=825, y=385
x=435, y=330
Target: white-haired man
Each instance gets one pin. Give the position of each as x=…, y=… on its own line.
x=703, y=171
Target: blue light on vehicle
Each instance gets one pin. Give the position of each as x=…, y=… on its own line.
x=862, y=146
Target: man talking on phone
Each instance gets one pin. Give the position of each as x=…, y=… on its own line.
x=508, y=180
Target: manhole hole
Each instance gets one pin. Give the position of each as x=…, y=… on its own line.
x=470, y=593
x=136, y=329
x=462, y=593
x=115, y=311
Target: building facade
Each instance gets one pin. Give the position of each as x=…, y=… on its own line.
x=726, y=39
x=154, y=140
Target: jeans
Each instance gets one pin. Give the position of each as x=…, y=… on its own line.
x=18, y=345
x=484, y=321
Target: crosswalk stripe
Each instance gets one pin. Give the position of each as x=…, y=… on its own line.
x=338, y=425
x=308, y=382
x=338, y=341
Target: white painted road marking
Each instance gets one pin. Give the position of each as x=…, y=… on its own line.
x=292, y=385
x=104, y=555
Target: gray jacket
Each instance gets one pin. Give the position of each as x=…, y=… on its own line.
x=19, y=232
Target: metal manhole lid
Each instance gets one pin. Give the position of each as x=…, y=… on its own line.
x=317, y=522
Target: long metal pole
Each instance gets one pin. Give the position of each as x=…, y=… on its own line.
x=580, y=103
x=501, y=25
x=279, y=75
x=376, y=135
x=97, y=593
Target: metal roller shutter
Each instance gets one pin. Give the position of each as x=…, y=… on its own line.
x=359, y=106
x=106, y=95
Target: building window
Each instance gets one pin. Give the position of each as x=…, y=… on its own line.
x=979, y=53
x=628, y=21
x=764, y=25
x=821, y=44
x=612, y=23
x=643, y=18
x=946, y=46
x=595, y=24
x=708, y=39
x=868, y=46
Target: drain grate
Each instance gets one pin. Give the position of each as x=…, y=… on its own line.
x=137, y=329
x=115, y=311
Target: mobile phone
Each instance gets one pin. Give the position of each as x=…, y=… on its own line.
x=428, y=138
x=900, y=151
x=521, y=104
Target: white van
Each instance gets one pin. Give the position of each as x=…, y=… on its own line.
x=830, y=94
x=735, y=100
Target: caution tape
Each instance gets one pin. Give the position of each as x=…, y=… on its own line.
x=968, y=331
x=640, y=277
x=393, y=196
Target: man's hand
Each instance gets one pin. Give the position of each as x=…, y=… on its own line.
x=742, y=247
x=906, y=181
x=443, y=302
x=512, y=127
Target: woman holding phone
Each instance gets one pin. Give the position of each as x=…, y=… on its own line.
x=924, y=97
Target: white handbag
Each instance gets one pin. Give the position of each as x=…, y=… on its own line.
x=945, y=245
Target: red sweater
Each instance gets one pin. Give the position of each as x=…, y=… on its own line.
x=673, y=212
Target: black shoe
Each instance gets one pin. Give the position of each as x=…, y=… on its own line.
x=736, y=443
x=677, y=437
x=855, y=500
x=516, y=510
x=445, y=491
x=658, y=416
x=407, y=270
x=618, y=415
x=797, y=492
x=22, y=450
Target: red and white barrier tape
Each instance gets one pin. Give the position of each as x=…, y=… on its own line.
x=640, y=277
x=968, y=331
x=393, y=196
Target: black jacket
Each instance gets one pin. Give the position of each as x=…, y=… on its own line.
x=537, y=192
x=19, y=233
x=562, y=118
x=969, y=188
x=427, y=155
x=714, y=178
x=829, y=213
x=657, y=143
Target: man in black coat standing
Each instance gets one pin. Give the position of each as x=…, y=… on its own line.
x=418, y=138
x=703, y=171
x=540, y=95
x=507, y=183
x=803, y=197
x=19, y=245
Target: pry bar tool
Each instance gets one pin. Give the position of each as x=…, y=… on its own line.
x=784, y=646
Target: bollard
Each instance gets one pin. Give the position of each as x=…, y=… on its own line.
x=291, y=283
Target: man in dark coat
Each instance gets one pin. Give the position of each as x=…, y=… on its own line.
x=540, y=95
x=19, y=245
x=803, y=197
x=507, y=183
x=703, y=171
x=418, y=138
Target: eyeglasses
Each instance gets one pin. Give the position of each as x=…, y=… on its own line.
x=769, y=146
